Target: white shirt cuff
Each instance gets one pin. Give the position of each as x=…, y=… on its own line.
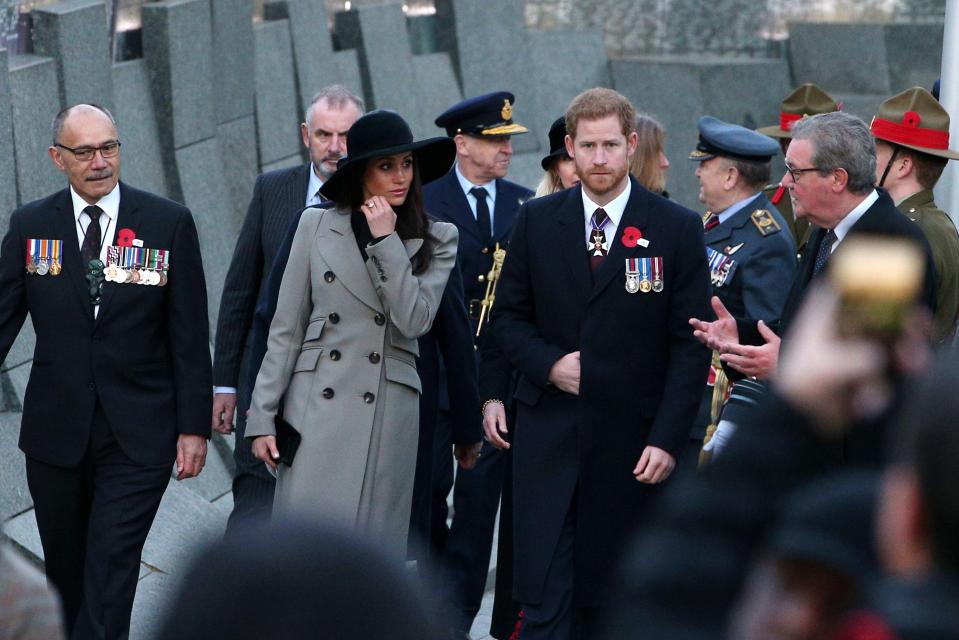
x=224, y=390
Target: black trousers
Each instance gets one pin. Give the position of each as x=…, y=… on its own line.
x=93, y=520
x=467, y=545
x=253, y=486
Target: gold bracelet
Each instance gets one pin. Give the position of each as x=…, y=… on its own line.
x=487, y=403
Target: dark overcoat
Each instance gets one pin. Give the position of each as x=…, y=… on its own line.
x=642, y=375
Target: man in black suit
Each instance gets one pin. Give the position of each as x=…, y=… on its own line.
x=277, y=196
x=830, y=173
x=591, y=312
x=120, y=385
x=476, y=197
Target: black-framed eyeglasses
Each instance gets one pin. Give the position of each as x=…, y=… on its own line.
x=797, y=173
x=85, y=154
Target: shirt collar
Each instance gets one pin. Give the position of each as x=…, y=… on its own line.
x=466, y=185
x=110, y=203
x=315, y=183
x=735, y=207
x=614, y=209
x=853, y=216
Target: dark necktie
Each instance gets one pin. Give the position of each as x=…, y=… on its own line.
x=597, y=238
x=825, y=250
x=482, y=215
x=711, y=222
x=90, y=250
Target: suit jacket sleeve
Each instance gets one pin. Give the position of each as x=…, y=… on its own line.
x=495, y=372
x=688, y=359
x=266, y=305
x=412, y=299
x=294, y=306
x=189, y=331
x=239, y=294
x=514, y=316
x=455, y=343
x=13, y=301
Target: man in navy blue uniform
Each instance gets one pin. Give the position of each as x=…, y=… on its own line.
x=590, y=310
x=751, y=253
x=476, y=197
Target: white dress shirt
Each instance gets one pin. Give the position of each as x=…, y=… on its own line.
x=614, y=209
x=490, y=187
x=852, y=218
x=110, y=204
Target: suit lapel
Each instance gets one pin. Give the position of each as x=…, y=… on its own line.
x=337, y=245
x=66, y=228
x=572, y=243
x=635, y=215
x=128, y=217
x=296, y=187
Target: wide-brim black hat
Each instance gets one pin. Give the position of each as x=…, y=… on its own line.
x=557, y=143
x=385, y=133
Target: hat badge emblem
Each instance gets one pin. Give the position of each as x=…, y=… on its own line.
x=507, y=111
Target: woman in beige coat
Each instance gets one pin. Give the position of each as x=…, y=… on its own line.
x=363, y=282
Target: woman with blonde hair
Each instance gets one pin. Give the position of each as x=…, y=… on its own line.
x=559, y=167
x=649, y=163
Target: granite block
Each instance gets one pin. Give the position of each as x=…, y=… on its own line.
x=184, y=523
x=317, y=64
x=386, y=61
x=35, y=101
x=232, y=58
x=277, y=112
x=151, y=603
x=76, y=34
x=744, y=91
x=142, y=164
x=15, y=496
x=8, y=167
x=284, y=163
x=433, y=75
x=840, y=56
x=205, y=193
x=913, y=54
x=236, y=141
x=217, y=476
x=178, y=49
x=491, y=45
x=22, y=530
x=566, y=63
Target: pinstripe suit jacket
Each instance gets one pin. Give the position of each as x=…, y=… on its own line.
x=277, y=197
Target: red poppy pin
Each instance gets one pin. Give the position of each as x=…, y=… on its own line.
x=631, y=236
x=125, y=237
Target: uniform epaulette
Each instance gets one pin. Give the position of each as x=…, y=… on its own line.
x=765, y=222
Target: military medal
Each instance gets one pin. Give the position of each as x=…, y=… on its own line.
x=56, y=251
x=31, y=256
x=43, y=268
x=658, y=274
x=632, y=275
x=721, y=267
x=644, y=283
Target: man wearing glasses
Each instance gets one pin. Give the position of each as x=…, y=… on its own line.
x=830, y=175
x=120, y=385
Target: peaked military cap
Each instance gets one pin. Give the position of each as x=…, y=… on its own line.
x=914, y=119
x=807, y=100
x=718, y=138
x=557, y=143
x=490, y=114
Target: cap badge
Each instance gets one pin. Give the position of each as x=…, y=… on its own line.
x=507, y=111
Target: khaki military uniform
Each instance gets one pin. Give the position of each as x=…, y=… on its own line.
x=801, y=229
x=944, y=241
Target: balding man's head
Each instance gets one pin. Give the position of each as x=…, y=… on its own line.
x=86, y=149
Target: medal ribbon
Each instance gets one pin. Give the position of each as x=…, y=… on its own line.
x=632, y=266
x=644, y=266
x=658, y=269
x=56, y=248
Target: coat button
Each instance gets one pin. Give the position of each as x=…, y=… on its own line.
x=484, y=250
x=481, y=279
x=334, y=355
x=91, y=386
x=327, y=393
x=374, y=357
x=334, y=317
x=379, y=319
x=329, y=277
x=368, y=398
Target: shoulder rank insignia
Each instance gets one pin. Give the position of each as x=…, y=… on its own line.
x=765, y=222
x=730, y=250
